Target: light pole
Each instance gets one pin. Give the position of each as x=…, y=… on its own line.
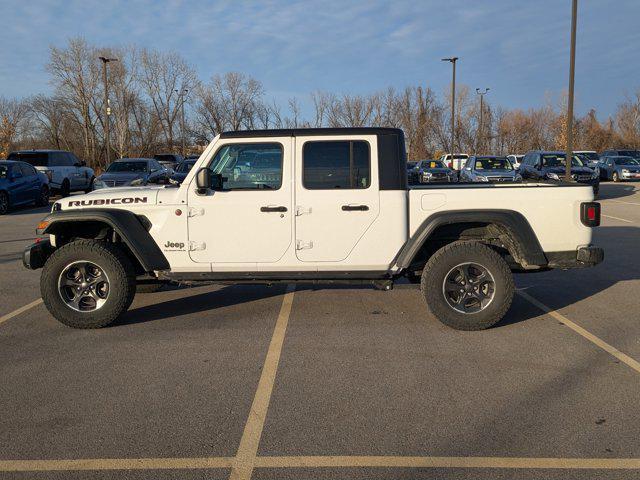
x=107, y=142
x=482, y=94
x=572, y=68
x=181, y=95
x=453, y=104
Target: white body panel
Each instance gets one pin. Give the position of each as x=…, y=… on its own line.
x=225, y=231
x=553, y=212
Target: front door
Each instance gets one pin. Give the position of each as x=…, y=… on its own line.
x=337, y=195
x=250, y=219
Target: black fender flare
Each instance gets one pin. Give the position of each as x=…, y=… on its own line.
x=515, y=223
x=130, y=227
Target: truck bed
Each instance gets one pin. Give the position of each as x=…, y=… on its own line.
x=552, y=210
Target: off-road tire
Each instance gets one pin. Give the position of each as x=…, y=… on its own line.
x=441, y=263
x=43, y=198
x=65, y=188
x=116, y=265
x=90, y=188
x=5, y=204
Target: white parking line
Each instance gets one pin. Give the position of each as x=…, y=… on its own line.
x=617, y=218
x=623, y=357
x=20, y=310
x=627, y=203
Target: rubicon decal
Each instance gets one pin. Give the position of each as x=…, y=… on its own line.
x=107, y=201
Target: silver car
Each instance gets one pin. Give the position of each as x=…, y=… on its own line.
x=489, y=169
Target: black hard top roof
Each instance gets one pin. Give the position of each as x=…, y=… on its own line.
x=298, y=132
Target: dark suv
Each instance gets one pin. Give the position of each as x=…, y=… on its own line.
x=621, y=153
x=540, y=165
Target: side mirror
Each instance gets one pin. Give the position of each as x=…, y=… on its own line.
x=203, y=180
x=538, y=166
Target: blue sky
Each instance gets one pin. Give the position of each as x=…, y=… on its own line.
x=517, y=48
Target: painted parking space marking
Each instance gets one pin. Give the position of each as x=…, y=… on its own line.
x=20, y=310
x=449, y=462
x=627, y=203
x=623, y=357
x=248, y=449
x=115, y=464
x=617, y=218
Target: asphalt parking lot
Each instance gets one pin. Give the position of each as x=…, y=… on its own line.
x=272, y=383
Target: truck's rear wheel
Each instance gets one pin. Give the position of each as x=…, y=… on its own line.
x=467, y=286
x=87, y=284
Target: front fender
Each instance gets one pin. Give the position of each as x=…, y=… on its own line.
x=130, y=227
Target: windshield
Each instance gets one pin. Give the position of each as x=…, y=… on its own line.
x=558, y=160
x=184, y=167
x=432, y=164
x=165, y=158
x=493, y=163
x=4, y=171
x=37, y=159
x=626, y=161
x=588, y=156
x=136, y=167
x=459, y=156
x=629, y=153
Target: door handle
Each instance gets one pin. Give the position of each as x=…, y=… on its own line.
x=273, y=209
x=354, y=208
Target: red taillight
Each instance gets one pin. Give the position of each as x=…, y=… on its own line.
x=590, y=214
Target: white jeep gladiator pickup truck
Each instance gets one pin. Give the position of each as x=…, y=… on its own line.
x=311, y=205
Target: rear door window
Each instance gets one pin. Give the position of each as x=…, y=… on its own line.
x=37, y=159
x=328, y=165
x=27, y=170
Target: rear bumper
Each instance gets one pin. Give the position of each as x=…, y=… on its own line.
x=36, y=254
x=580, y=258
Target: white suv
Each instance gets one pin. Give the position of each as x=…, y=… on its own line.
x=66, y=173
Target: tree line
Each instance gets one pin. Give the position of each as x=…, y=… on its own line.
x=150, y=90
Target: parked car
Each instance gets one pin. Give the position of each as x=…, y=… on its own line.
x=589, y=158
x=21, y=184
x=619, y=168
x=540, y=165
x=515, y=160
x=621, y=153
x=168, y=160
x=455, y=163
x=489, y=168
x=434, y=171
x=182, y=170
x=133, y=171
x=65, y=171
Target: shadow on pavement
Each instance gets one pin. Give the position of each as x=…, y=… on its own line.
x=565, y=288
x=615, y=190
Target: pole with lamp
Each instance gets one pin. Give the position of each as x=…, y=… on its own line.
x=181, y=95
x=453, y=61
x=482, y=94
x=107, y=141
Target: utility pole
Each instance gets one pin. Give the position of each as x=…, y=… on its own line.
x=453, y=105
x=181, y=95
x=107, y=141
x=480, y=137
x=572, y=68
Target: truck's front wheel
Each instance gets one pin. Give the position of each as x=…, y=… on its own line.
x=87, y=284
x=467, y=286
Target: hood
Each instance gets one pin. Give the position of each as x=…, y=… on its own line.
x=122, y=176
x=117, y=197
x=493, y=173
x=561, y=170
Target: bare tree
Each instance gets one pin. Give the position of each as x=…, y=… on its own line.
x=163, y=77
x=13, y=113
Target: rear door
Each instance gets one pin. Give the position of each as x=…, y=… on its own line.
x=250, y=220
x=18, y=187
x=337, y=196
x=32, y=182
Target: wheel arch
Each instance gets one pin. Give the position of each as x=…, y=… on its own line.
x=131, y=229
x=509, y=228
